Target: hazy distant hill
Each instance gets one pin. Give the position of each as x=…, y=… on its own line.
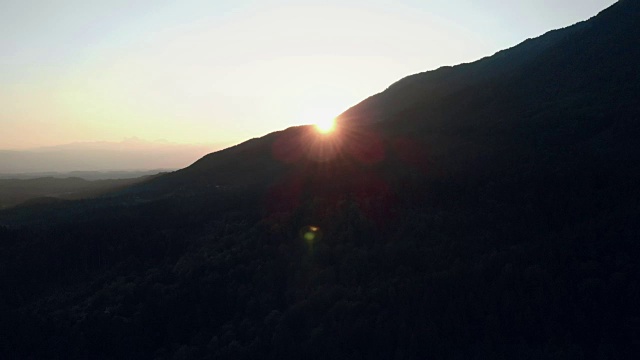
x=128, y=155
x=86, y=175
x=484, y=211
x=41, y=189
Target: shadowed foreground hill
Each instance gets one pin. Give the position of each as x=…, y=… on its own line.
x=483, y=211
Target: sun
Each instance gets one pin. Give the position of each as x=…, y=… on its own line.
x=326, y=126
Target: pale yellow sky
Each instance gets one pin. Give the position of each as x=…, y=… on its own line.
x=225, y=71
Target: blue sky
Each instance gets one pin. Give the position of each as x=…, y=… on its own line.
x=223, y=71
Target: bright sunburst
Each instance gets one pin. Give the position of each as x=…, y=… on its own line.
x=326, y=126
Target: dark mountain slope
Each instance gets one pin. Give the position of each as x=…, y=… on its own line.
x=482, y=211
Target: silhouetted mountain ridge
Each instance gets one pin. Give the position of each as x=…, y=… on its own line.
x=585, y=74
x=533, y=65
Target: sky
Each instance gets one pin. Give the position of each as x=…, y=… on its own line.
x=221, y=72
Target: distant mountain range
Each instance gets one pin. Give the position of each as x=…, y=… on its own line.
x=482, y=211
x=128, y=155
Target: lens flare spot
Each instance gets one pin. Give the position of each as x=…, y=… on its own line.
x=311, y=235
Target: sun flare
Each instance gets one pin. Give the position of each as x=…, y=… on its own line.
x=326, y=126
